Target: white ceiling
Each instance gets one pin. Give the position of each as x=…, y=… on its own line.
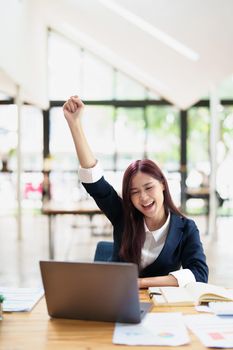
x=177, y=48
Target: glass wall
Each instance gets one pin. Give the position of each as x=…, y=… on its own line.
x=128, y=132
x=163, y=139
x=225, y=159
x=123, y=121
x=31, y=157
x=198, y=156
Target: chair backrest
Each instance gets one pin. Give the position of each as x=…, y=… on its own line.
x=103, y=251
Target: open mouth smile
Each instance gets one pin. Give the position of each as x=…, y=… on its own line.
x=148, y=206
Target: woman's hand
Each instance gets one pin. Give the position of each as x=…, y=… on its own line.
x=73, y=108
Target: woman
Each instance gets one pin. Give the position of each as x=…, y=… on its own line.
x=148, y=229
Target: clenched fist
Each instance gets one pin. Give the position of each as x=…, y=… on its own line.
x=73, y=108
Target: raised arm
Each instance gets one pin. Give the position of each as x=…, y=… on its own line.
x=73, y=110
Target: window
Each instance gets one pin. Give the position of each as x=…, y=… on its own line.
x=31, y=156
x=97, y=79
x=163, y=140
x=129, y=136
x=128, y=89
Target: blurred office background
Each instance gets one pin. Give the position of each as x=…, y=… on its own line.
x=157, y=80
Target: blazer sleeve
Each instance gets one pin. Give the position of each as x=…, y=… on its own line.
x=193, y=256
x=106, y=199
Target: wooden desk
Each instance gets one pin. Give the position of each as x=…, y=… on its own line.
x=52, y=209
x=35, y=330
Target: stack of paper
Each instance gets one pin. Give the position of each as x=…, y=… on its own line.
x=20, y=299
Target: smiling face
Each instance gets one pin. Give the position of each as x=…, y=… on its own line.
x=147, y=196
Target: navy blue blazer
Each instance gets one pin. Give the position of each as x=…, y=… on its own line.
x=182, y=247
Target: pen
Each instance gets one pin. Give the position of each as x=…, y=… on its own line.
x=154, y=293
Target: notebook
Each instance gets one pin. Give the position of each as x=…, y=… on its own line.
x=96, y=291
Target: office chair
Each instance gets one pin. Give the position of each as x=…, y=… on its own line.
x=103, y=251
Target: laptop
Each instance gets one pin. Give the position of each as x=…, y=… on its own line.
x=96, y=291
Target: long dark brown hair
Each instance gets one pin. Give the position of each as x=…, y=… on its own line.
x=134, y=232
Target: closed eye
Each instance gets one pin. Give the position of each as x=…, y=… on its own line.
x=149, y=188
x=134, y=192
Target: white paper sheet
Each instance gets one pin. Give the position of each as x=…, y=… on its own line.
x=213, y=331
x=222, y=308
x=154, y=329
x=20, y=299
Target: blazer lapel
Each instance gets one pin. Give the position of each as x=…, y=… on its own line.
x=174, y=236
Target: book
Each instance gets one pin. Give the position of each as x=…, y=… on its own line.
x=194, y=293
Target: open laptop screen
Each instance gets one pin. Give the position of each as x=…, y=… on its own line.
x=91, y=291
